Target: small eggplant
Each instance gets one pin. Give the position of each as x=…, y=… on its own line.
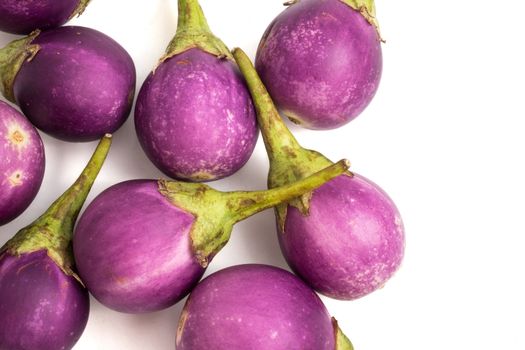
x=321, y=60
x=194, y=117
x=74, y=83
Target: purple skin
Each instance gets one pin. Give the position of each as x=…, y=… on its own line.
x=254, y=307
x=347, y=239
x=22, y=17
x=353, y=229
x=321, y=62
x=194, y=117
x=131, y=236
x=142, y=245
x=22, y=163
x=51, y=316
x=79, y=86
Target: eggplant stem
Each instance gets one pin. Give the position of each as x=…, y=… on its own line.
x=53, y=230
x=216, y=212
x=193, y=32
x=341, y=340
x=12, y=57
x=278, y=140
x=249, y=203
x=66, y=208
x=82, y=4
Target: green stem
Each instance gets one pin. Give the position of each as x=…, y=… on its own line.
x=367, y=9
x=191, y=17
x=64, y=211
x=193, y=32
x=289, y=162
x=341, y=340
x=216, y=212
x=53, y=230
x=249, y=203
x=82, y=4
x=12, y=56
x=278, y=140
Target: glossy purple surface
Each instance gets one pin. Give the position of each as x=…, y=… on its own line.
x=24, y=16
x=22, y=163
x=352, y=241
x=321, y=62
x=79, y=86
x=195, y=119
x=254, y=307
x=133, y=251
x=41, y=308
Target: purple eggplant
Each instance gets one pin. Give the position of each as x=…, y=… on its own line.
x=22, y=163
x=194, y=117
x=142, y=245
x=73, y=83
x=22, y=17
x=43, y=304
x=346, y=238
x=257, y=307
x=321, y=61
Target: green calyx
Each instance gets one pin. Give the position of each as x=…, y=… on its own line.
x=289, y=162
x=12, y=57
x=341, y=340
x=82, y=4
x=193, y=32
x=216, y=212
x=367, y=9
x=54, y=229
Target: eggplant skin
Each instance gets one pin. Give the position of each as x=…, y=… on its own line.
x=195, y=119
x=41, y=308
x=22, y=17
x=22, y=163
x=133, y=249
x=351, y=243
x=322, y=63
x=256, y=307
x=79, y=86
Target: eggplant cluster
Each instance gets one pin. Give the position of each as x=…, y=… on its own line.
x=143, y=245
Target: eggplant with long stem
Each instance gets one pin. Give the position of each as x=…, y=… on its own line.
x=194, y=117
x=43, y=304
x=142, y=245
x=346, y=239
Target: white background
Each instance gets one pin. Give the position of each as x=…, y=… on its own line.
x=444, y=137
